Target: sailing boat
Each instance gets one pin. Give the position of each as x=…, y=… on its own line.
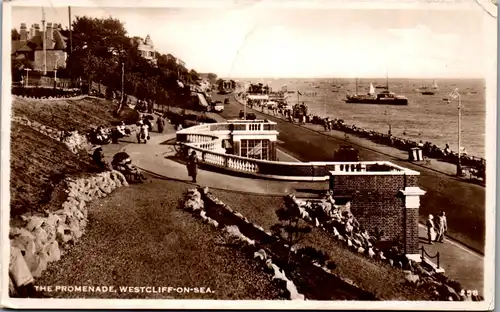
x=335, y=87
x=372, y=89
x=430, y=92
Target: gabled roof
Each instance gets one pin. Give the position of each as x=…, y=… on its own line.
x=58, y=43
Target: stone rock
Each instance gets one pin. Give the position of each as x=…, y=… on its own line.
x=63, y=234
x=18, y=269
x=34, y=222
x=52, y=251
x=412, y=278
x=22, y=239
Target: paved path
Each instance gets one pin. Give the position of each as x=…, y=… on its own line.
x=463, y=202
x=459, y=262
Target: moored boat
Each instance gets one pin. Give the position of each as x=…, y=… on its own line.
x=385, y=97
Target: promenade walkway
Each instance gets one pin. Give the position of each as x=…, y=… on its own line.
x=157, y=158
x=463, y=202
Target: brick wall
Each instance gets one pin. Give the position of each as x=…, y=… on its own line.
x=411, y=235
x=378, y=204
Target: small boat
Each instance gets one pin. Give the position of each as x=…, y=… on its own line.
x=434, y=85
x=428, y=92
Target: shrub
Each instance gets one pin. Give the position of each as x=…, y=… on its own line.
x=312, y=254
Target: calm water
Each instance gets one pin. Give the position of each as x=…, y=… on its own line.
x=427, y=117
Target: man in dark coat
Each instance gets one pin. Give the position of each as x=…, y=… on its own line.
x=192, y=165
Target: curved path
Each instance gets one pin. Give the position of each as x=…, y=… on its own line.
x=157, y=158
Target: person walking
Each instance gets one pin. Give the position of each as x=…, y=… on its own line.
x=442, y=227
x=192, y=166
x=160, y=122
x=431, y=229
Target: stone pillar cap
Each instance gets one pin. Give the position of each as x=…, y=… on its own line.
x=413, y=190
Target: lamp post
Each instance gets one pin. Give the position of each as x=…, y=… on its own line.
x=456, y=95
x=55, y=71
x=27, y=71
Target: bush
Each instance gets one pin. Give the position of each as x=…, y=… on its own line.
x=41, y=93
x=313, y=254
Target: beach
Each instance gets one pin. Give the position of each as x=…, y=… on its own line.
x=426, y=118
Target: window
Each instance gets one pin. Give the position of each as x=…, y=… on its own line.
x=256, y=149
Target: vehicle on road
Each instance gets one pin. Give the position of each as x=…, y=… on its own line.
x=218, y=106
x=226, y=101
x=346, y=153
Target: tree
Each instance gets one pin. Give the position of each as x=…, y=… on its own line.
x=212, y=77
x=18, y=64
x=194, y=75
x=14, y=35
x=291, y=228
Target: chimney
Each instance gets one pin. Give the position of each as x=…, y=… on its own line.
x=37, y=29
x=49, y=36
x=32, y=32
x=23, y=34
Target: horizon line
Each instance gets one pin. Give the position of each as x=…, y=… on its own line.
x=373, y=77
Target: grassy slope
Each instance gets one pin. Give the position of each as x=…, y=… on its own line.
x=138, y=237
x=381, y=279
x=39, y=163
x=68, y=114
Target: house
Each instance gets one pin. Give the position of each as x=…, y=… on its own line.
x=30, y=46
x=146, y=48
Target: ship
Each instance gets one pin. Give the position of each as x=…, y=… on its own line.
x=431, y=91
x=385, y=97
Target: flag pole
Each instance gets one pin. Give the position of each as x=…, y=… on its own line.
x=70, y=32
x=44, y=44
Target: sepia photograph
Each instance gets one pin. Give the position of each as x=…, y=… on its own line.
x=254, y=154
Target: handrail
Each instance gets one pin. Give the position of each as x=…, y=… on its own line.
x=424, y=253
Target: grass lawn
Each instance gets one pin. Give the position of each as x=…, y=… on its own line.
x=38, y=164
x=70, y=114
x=138, y=237
x=380, y=279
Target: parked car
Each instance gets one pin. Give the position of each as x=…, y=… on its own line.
x=346, y=153
x=218, y=106
x=226, y=101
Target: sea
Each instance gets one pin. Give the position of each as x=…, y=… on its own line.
x=426, y=117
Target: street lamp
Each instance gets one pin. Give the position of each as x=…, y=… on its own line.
x=456, y=95
x=55, y=70
x=27, y=71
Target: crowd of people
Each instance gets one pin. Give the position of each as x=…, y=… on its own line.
x=428, y=148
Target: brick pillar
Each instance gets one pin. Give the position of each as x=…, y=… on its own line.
x=412, y=204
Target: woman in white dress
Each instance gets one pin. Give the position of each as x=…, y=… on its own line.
x=431, y=229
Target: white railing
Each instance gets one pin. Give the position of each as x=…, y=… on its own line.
x=231, y=126
x=209, y=148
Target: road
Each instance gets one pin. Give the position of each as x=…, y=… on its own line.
x=463, y=202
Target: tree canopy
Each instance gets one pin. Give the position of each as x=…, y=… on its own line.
x=101, y=46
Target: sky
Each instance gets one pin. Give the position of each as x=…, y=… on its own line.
x=273, y=42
